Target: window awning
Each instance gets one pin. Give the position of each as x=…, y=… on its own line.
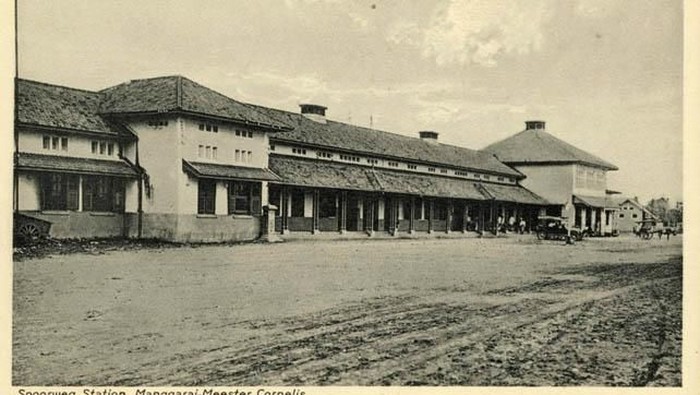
x=228, y=172
x=595, y=201
x=323, y=174
x=66, y=164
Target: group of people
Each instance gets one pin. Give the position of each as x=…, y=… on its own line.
x=513, y=225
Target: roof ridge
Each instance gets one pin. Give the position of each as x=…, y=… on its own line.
x=56, y=85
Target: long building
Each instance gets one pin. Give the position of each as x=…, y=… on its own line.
x=169, y=158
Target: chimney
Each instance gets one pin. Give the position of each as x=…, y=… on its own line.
x=314, y=112
x=428, y=135
x=534, y=125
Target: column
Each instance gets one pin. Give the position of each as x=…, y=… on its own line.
x=411, y=218
x=314, y=210
x=392, y=204
x=582, y=217
x=284, y=207
x=450, y=214
x=465, y=215
x=343, y=211
x=594, y=211
x=431, y=210
x=80, y=193
x=494, y=220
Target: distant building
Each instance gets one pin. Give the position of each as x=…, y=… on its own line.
x=572, y=180
x=169, y=158
x=631, y=213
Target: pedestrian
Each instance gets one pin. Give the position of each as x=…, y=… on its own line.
x=511, y=223
x=522, y=225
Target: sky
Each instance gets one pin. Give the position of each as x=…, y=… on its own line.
x=606, y=75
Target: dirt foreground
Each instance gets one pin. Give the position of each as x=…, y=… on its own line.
x=369, y=312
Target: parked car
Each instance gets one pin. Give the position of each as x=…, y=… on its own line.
x=554, y=228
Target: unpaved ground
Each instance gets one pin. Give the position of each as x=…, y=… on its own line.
x=392, y=312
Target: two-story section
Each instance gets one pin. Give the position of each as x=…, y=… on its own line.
x=203, y=155
x=573, y=180
x=341, y=178
x=70, y=169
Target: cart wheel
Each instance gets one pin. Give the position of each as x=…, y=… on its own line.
x=29, y=231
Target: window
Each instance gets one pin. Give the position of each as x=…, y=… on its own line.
x=299, y=151
x=94, y=147
x=104, y=194
x=412, y=167
x=206, y=197
x=500, y=178
x=440, y=210
x=487, y=177
x=237, y=156
x=250, y=156
x=46, y=142
x=634, y=215
x=326, y=155
x=157, y=123
x=298, y=198
x=238, y=133
x=406, y=209
x=431, y=169
x=443, y=171
x=477, y=175
x=622, y=215
x=208, y=127
x=64, y=143
x=326, y=204
x=272, y=147
x=54, y=142
x=214, y=152
x=461, y=173
x=110, y=149
x=59, y=191
x=418, y=214
x=250, y=134
x=244, y=197
x=372, y=161
x=208, y=152
x=200, y=151
x=103, y=147
x=393, y=164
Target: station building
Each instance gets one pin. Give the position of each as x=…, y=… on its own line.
x=572, y=180
x=171, y=159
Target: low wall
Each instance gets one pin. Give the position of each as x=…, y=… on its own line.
x=75, y=224
x=218, y=228
x=328, y=224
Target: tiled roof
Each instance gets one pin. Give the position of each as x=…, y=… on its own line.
x=220, y=171
x=68, y=164
x=514, y=194
x=338, y=135
x=59, y=107
x=538, y=146
x=596, y=201
x=176, y=93
x=322, y=174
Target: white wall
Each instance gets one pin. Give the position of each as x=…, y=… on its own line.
x=159, y=154
x=589, y=181
x=553, y=182
x=31, y=141
x=29, y=192
x=226, y=142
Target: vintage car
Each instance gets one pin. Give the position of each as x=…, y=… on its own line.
x=554, y=228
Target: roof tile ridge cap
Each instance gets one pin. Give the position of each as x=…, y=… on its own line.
x=48, y=84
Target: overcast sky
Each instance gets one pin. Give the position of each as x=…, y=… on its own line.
x=606, y=75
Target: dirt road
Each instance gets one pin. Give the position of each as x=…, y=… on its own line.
x=393, y=312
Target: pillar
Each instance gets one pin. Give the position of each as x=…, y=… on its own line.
x=268, y=224
x=314, y=210
x=465, y=215
x=343, y=211
x=594, y=220
x=494, y=224
x=284, y=207
x=431, y=211
x=450, y=214
x=393, y=207
x=412, y=215
x=582, y=217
